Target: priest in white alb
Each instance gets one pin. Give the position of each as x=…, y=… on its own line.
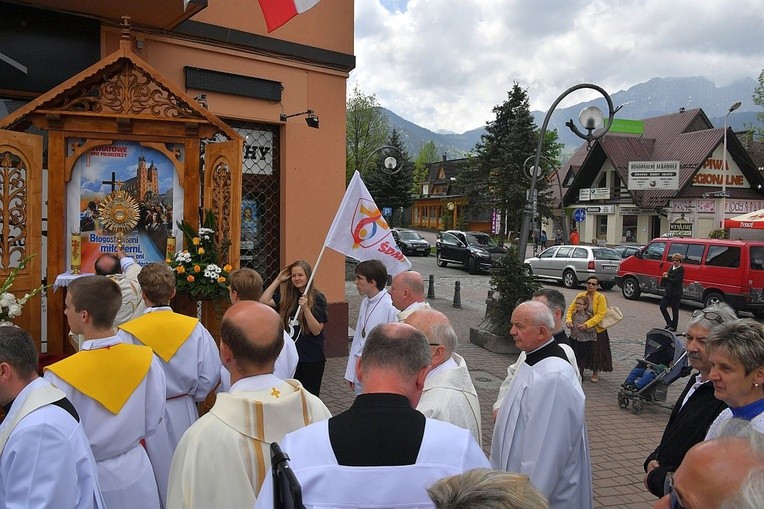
x=407, y=293
x=188, y=354
x=376, y=307
x=223, y=458
x=449, y=394
x=541, y=426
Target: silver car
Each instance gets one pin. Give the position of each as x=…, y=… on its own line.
x=572, y=265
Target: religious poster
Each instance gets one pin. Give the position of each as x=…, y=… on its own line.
x=147, y=176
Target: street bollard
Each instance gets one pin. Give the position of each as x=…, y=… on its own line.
x=457, y=294
x=431, y=288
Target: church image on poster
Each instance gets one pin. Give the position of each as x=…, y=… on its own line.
x=147, y=176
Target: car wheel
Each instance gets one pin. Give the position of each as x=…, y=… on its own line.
x=607, y=286
x=472, y=267
x=441, y=262
x=569, y=279
x=712, y=298
x=630, y=289
x=528, y=269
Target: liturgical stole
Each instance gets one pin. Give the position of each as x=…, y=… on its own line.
x=164, y=331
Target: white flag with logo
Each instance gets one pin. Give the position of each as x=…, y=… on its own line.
x=360, y=231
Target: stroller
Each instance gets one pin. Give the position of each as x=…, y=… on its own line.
x=664, y=362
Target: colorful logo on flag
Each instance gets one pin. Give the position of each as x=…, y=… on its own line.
x=368, y=226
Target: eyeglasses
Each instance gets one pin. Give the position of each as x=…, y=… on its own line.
x=708, y=315
x=434, y=344
x=673, y=499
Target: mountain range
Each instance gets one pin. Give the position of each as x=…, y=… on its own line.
x=658, y=96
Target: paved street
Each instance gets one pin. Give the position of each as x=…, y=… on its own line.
x=619, y=440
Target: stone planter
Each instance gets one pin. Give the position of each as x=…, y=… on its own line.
x=490, y=335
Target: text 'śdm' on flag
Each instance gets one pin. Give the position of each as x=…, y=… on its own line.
x=278, y=12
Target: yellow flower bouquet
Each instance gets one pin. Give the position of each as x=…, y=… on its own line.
x=198, y=269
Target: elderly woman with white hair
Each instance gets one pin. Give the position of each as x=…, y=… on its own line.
x=736, y=352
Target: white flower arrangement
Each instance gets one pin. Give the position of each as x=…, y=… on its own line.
x=10, y=305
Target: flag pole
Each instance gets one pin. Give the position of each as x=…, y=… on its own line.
x=293, y=321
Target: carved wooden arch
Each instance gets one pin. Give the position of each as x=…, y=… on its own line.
x=222, y=185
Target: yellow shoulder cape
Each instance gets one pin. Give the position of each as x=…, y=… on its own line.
x=107, y=375
x=163, y=331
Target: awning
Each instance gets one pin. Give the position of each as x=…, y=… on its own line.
x=754, y=220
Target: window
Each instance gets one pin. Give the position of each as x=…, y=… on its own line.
x=580, y=252
x=605, y=254
x=564, y=252
x=629, y=229
x=548, y=253
x=447, y=238
x=757, y=257
x=692, y=254
x=654, y=251
x=723, y=256
x=602, y=227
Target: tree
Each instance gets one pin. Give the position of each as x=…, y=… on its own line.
x=758, y=98
x=427, y=154
x=496, y=179
x=367, y=129
x=388, y=190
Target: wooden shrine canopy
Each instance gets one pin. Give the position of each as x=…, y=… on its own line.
x=120, y=99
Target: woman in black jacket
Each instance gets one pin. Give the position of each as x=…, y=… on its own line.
x=672, y=282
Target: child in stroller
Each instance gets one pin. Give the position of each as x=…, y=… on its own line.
x=659, y=353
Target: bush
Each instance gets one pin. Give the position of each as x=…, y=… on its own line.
x=514, y=285
x=719, y=234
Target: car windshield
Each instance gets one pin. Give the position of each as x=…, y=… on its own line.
x=605, y=254
x=408, y=235
x=480, y=240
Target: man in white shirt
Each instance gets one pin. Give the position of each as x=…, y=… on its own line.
x=407, y=293
x=45, y=457
x=188, y=354
x=449, y=394
x=541, y=427
x=223, y=457
x=247, y=284
x=555, y=301
x=376, y=307
x=123, y=270
x=118, y=390
x=381, y=452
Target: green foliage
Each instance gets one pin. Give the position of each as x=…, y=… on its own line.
x=514, y=284
x=758, y=99
x=390, y=190
x=427, y=154
x=495, y=179
x=719, y=234
x=367, y=129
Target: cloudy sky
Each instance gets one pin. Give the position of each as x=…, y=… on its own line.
x=444, y=64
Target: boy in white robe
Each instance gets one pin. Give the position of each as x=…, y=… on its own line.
x=45, y=457
x=118, y=391
x=449, y=394
x=188, y=354
x=223, y=457
x=381, y=452
x=541, y=427
x=376, y=307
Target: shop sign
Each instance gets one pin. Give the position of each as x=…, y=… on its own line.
x=584, y=194
x=682, y=228
x=602, y=209
x=656, y=175
x=600, y=193
x=711, y=175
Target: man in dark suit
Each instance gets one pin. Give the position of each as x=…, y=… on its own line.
x=672, y=282
x=696, y=407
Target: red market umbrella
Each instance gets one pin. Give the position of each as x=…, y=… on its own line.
x=752, y=220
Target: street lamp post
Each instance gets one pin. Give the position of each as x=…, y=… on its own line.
x=392, y=164
x=591, y=118
x=732, y=108
x=559, y=186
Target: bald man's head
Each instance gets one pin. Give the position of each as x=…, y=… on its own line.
x=253, y=333
x=436, y=327
x=714, y=470
x=406, y=289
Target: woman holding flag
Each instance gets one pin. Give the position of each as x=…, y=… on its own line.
x=288, y=292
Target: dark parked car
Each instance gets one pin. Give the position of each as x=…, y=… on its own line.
x=627, y=250
x=474, y=250
x=410, y=242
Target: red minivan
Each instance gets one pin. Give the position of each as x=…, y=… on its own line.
x=714, y=270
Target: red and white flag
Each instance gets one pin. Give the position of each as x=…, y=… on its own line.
x=278, y=12
x=360, y=231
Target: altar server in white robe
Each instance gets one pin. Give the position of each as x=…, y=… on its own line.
x=376, y=307
x=407, y=293
x=247, y=284
x=555, y=301
x=381, y=452
x=223, y=457
x=118, y=391
x=45, y=457
x=188, y=354
x=449, y=394
x=541, y=427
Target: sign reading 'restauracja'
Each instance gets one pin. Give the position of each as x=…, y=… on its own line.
x=657, y=175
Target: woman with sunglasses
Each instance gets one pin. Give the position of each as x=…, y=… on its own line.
x=594, y=355
x=736, y=352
